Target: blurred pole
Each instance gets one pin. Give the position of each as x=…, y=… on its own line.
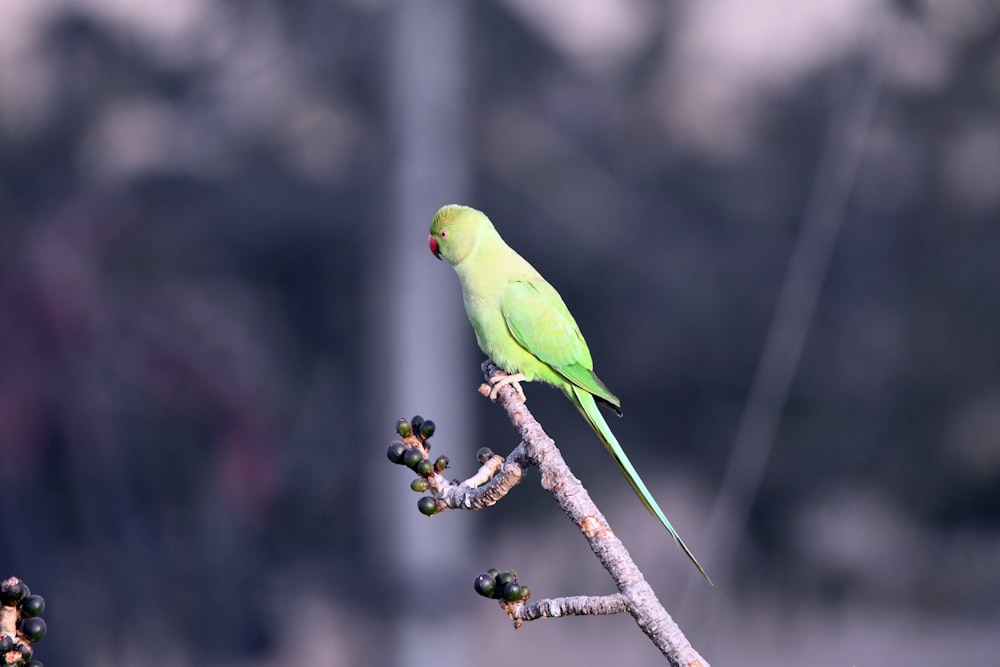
x=419, y=351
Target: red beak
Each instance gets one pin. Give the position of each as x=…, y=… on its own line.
x=433, y=243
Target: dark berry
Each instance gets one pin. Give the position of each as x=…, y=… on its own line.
x=33, y=605
x=396, y=451
x=420, y=484
x=6, y=644
x=403, y=428
x=12, y=591
x=423, y=467
x=427, y=429
x=440, y=463
x=484, y=454
x=416, y=423
x=411, y=457
x=512, y=592
x=24, y=649
x=485, y=585
x=505, y=578
x=33, y=628
x=525, y=592
x=34, y=663
x=427, y=506
x=493, y=572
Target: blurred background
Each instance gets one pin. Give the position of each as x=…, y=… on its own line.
x=775, y=221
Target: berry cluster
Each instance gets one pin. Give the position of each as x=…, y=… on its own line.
x=501, y=586
x=413, y=451
x=21, y=623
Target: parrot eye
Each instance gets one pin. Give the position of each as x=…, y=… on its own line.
x=443, y=233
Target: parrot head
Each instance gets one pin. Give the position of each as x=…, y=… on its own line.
x=454, y=230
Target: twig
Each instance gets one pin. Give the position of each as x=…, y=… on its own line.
x=494, y=480
x=578, y=605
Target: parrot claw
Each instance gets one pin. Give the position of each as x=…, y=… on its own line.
x=500, y=380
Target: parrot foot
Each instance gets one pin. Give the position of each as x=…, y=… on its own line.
x=500, y=380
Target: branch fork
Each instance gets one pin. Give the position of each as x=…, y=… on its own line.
x=495, y=479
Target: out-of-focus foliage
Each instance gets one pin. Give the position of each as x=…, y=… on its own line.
x=190, y=192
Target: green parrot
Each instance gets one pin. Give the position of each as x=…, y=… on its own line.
x=522, y=324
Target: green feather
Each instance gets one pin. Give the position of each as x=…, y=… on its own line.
x=588, y=408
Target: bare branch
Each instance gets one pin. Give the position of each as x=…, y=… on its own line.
x=638, y=596
x=578, y=605
x=466, y=496
x=495, y=478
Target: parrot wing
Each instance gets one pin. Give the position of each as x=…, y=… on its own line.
x=539, y=321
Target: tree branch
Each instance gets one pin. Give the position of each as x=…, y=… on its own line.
x=492, y=482
x=495, y=478
x=637, y=595
x=578, y=605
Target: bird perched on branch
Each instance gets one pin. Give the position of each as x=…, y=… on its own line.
x=522, y=324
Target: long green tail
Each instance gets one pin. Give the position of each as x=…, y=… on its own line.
x=588, y=407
